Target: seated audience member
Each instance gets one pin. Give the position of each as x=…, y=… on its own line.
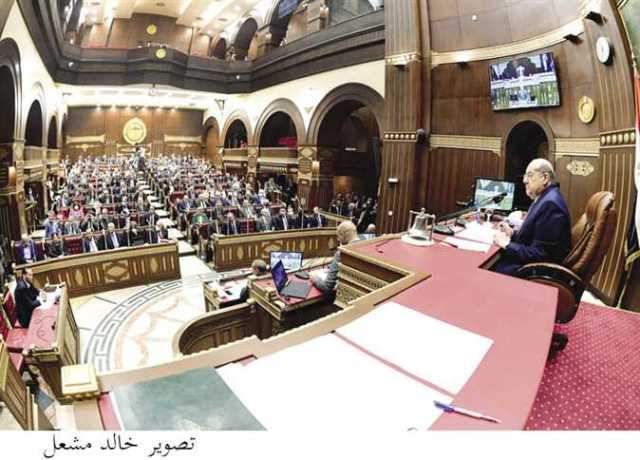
x=89, y=223
x=158, y=235
x=76, y=212
x=264, y=223
x=215, y=226
x=247, y=210
x=545, y=234
x=317, y=220
x=51, y=225
x=346, y=232
x=280, y=222
x=292, y=218
x=54, y=248
x=27, y=251
x=135, y=236
x=230, y=227
x=104, y=220
x=71, y=227
x=26, y=295
x=258, y=268
x=90, y=243
x=112, y=239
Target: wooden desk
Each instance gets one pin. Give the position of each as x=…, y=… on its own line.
x=112, y=269
x=215, y=296
x=287, y=313
x=52, y=341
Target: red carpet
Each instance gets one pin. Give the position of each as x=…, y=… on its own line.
x=594, y=383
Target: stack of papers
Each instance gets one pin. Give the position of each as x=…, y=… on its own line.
x=468, y=245
x=478, y=232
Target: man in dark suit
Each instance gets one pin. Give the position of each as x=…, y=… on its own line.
x=26, y=297
x=90, y=243
x=135, y=236
x=280, y=222
x=159, y=234
x=346, y=233
x=316, y=220
x=27, y=251
x=112, y=239
x=545, y=234
x=230, y=227
x=54, y=248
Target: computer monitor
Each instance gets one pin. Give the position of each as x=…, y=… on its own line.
x=486, y=188
x=279, y=275
x=290, y=260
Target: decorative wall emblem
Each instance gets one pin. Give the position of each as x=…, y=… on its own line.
x=586, y=109
x=135, y=131
x=580, y=168
x=152, y=29
x=161, y=53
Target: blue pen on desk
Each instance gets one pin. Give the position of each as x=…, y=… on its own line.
x=467, y=412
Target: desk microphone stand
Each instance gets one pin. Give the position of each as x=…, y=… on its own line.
x=446, y=230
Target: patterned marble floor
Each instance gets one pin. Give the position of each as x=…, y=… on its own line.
x=135, y=327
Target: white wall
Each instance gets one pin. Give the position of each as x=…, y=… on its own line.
x=306, y=93
x=34, y=74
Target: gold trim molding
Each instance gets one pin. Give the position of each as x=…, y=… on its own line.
x=403, y=59
x=578, y=147
x=491, y=144
x=580, y=168
x=545, y=40
x=86, y=139
x=183, y=139
x=615, y=139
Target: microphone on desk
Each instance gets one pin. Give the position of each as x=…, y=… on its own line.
x=446, y=230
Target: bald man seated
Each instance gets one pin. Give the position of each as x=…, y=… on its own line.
x=545, y=234
x=346, y=233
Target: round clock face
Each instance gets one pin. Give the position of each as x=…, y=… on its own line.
x=603, y=49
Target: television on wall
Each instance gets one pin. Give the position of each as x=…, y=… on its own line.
x=524, y=83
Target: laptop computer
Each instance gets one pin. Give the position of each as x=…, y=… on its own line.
x=298, y=289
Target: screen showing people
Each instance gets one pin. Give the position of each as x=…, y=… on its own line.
x=290, y=260
x=525, y=82
x=502, y=193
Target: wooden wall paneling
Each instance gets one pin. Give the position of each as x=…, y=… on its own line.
x=617, y=167
x=579, y=179
x=118, y=36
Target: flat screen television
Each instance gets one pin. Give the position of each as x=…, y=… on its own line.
x=486, y=188
x=524, y=83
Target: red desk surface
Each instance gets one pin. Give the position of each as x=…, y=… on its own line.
x=518, y=315
x=314, y=293
x=42, y=333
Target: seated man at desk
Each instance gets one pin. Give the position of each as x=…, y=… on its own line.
x=345, y=233
x=27, y=252
x=258, y=268
x=545, y=235
x=26, y=297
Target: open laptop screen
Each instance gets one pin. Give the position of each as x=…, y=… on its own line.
x=279, y=276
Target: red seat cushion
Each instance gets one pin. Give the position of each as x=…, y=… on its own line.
x=16, y=338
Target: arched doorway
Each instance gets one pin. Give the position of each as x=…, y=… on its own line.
x=351, y=131
x=219, y=51
x=246, y=44
x=52, y=137
x=279, y=131
x=33, y=132
x=526, y=141
x=211, y=140
x=8, y=112
x=236, y=135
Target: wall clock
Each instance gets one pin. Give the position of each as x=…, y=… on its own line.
x=603, y=50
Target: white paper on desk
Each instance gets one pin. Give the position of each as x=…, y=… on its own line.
x=468, y=245
x=477, y=232
x=327, y=384
x=433, y=350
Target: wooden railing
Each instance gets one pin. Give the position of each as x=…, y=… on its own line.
x=238, y=251
x=220, y=327
x=96, y=272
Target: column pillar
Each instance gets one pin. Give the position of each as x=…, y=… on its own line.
x=307, y=180
x=253, y=152
x=12, y=216
x=407, y=35
x=265, y=40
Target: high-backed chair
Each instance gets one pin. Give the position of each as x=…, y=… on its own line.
x=590, y=239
